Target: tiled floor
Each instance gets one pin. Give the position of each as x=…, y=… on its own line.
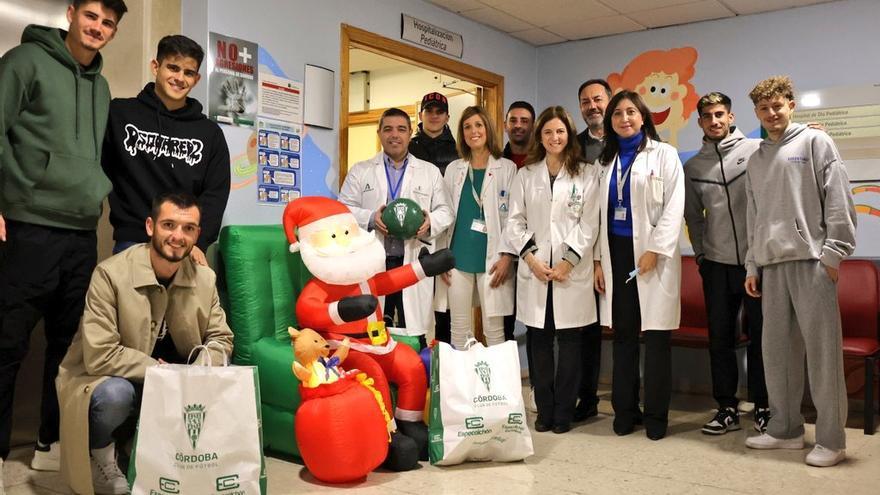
x=591, y=459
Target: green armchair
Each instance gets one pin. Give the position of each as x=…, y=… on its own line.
x=260, y=281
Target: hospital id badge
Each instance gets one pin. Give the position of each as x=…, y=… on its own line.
x=479, y=225
x=377, y=333
x=620, y=214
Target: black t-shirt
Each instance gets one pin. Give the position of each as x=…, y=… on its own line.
x=164, y=348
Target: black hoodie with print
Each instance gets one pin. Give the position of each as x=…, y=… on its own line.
x=149, y=150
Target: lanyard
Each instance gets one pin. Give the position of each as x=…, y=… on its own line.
x=395, y=190
x=477, y=197
x=621, y=180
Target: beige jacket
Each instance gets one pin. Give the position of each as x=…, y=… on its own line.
x=124, y=308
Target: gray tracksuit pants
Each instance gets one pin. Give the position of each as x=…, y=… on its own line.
x=801, y=318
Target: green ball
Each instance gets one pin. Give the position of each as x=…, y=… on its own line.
x=403, y=217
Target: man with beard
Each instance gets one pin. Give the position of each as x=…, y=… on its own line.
x=150, y=304
x=715, y=212
x=519, y=124
x=593, y=97
x=342, y=301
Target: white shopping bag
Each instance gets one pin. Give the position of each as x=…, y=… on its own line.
x=477, y=411
x=199, y=432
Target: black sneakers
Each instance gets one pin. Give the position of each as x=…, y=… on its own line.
x=725, y=420
x=762, y=417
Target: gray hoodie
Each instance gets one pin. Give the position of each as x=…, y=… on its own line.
x=715, y=198
x=799, y=202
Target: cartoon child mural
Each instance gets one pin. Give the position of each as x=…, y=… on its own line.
x=662, y=78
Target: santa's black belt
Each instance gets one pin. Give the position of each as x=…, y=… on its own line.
x=376, y=336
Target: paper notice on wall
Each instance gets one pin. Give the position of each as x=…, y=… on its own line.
x=233, y=80
x=279, y=167
x=281, y=99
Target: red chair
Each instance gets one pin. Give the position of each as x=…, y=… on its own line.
x=693, y=331
x=858, y=294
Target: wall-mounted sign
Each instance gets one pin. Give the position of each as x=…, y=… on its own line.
x=431, y=36
x=281, y=99
x=320, y=92
x=233, y=80
x=279, y=176
x=861, y=121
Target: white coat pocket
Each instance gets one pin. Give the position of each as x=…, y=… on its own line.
x=654, y=198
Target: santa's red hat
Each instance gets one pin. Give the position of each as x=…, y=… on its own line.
x=308, y=213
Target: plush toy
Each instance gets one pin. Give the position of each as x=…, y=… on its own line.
x=341, y=424
x=313, y=365
x=342, y=301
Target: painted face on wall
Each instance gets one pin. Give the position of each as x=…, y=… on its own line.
x=664, y=95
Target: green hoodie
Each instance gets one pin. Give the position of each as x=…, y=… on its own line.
x=53, y=113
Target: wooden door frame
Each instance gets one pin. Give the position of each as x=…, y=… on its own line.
x=353, y=37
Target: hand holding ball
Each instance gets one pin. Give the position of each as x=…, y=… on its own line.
x=403, y=217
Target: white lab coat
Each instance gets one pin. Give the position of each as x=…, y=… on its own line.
x=657, y=212
x=497, y=183
x=365, y=190
x=566, y=217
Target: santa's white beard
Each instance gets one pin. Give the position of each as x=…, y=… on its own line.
x=362, y=259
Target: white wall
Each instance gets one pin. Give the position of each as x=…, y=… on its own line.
x=308, y=31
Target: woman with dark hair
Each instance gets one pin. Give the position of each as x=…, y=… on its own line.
x=639, y=272
x=553, y=225
x=479, y=185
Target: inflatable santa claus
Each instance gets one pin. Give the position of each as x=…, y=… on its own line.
x=342, y=300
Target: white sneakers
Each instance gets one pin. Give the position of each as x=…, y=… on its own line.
x=106, y=476
x=822, y=457
x=766, y=442
x=47, y=460
x=819, y=456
